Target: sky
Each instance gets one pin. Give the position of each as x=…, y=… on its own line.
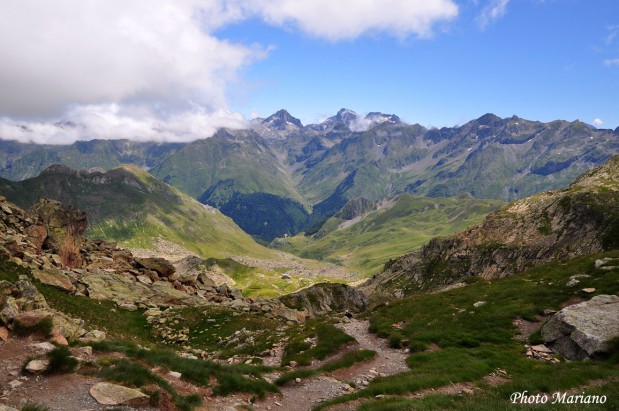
x=176, y=70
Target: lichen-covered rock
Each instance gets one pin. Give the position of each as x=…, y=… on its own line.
x=326, y=297
x=65, y=227
x=584, y=330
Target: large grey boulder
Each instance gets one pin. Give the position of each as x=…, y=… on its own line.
x=584, y=330
x=112, y=394
x=325, y=298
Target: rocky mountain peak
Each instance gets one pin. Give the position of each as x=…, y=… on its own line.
x=282, y=120
x=377, y=117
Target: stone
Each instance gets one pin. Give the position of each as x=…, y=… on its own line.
x=589, y=290
x=59, y=340
x=82, y=353
x=36, y=366
x=175, y=374
x=286, y=276
x=128, y=306
x=112, y=394
x=44, y=346
x=7, y=408
x=541, y=348
x=93, y=336
x=162, y=266
x=326, y=297
x=144, y=279
x=29, y=319
x=14, y=384
x=55, y=278
x=4, y=334
x=479, y=304
x=583, y=330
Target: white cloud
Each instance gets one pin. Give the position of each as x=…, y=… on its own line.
x=65, y=52
x=492, y=11
x=611, y=62
x=125, y=68
x=347, y=19
x=597, y=122
x=112, y=121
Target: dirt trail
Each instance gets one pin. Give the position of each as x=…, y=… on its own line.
x=310, y=392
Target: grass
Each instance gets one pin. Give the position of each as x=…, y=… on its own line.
x=61, y=361
x=348, y=359
x=230, y=378
x=214, y=327
x=133, y=374
x=328, y=339
x=480, y=340
x=390, y=232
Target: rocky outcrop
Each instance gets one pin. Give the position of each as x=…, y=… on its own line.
x=65, y=228
x=23, y=307
x=105, y=273
x=582, y=219
x=584, y=330
x=326, y=298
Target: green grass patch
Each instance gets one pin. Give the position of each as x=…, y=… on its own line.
x=328, y=339
x=61, y=361
x=230, y=378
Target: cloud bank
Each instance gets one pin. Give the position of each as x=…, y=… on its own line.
x=155, y=69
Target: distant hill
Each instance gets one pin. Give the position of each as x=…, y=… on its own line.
x=129, y=205
x=311, y=171
x=365, y=235
x=582, y=219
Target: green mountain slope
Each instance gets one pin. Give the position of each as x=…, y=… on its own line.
x=131, y=206
x=399, y=225
x=582, y=219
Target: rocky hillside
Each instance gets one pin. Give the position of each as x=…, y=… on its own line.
x=582, y=219
x=128, y=205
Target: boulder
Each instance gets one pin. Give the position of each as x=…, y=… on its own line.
x=584, y=330
x=65, y=227
x=112, y=394
x=325, y=297
x=162, y=266
x=55, y=278
x=37, y=366
x=93, y=336
x=4, y=334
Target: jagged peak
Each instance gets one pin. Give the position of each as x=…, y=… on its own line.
x=281, y=120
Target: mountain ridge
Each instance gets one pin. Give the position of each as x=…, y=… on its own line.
x=323, y=166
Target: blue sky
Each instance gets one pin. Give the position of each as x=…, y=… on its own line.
x=541, y=60
x=176, y=70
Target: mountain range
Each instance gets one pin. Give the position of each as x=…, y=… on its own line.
x=298, y=176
